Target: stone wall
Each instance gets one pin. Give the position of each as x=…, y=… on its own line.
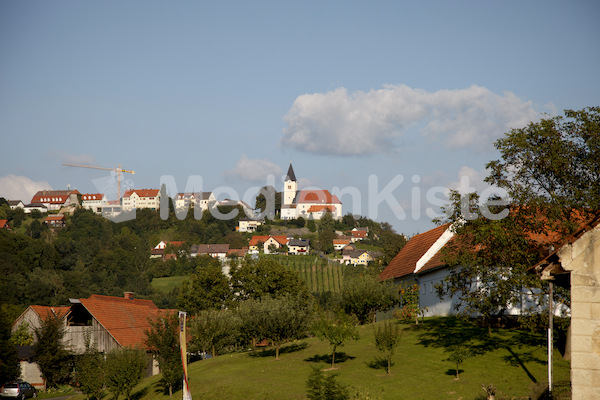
x=582, y=259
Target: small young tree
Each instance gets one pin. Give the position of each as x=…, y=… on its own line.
x=163, y=342
x=337, y=329
x=325, y=388
x=387, y=338
x=22, y=336
x=51, y=354
x=124, y=369
x=90, y=373
x=458, y=354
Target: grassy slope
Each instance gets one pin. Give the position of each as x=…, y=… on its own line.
x=167, y=284
x=513, y=361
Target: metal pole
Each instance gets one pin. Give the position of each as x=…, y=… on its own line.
x=550, y=337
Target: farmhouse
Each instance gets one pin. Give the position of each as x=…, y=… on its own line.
x=54, y=200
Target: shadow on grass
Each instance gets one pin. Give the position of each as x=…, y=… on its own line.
x=282, y=350
x=451, y=331
x=379, y=363
x=340, y=357
x=452, y=372
x=139, y=394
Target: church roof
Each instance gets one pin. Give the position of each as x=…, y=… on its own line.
x=290, y=174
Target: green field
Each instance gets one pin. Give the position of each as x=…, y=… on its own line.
x=168, y=283
x=514, y=361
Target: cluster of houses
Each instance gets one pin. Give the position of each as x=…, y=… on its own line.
x=268, y=244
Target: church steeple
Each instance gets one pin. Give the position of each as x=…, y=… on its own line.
x=290, y=174
x=290, y=186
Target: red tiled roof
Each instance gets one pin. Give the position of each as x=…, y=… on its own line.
x=317, y=196
x=321, y=208
x=57, y=217
x=92, y=196
x=3, y=223
x=281, y=239
x=142, y=192
x=258, y=238
x=177, y=243
x=238, y=252
x=341, y=241
x=52, y=196
x=170, y=256
x=406, y=260
x=125, y=319
x=359, y=234
x=44, y=311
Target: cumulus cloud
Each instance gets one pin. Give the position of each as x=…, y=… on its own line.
x=252, y=170
x=361, y=123
x=13, y=187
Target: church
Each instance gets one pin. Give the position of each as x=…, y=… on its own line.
x=308, y=204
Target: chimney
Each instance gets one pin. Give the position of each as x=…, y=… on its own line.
x=128, y=295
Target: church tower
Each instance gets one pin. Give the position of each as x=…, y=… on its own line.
x=290, y=186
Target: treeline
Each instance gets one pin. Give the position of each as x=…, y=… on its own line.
x=47, y=266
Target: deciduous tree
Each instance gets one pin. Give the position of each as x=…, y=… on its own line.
x=337, y=329
x=163, y=341
x=124, y=370
x=51, y=354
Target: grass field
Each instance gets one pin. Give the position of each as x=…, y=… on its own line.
x=167, y=283
x=514, y=361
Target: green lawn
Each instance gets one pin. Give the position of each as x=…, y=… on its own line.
x=167, y=283
x=514, y=361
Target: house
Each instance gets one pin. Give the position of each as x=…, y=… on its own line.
x=204, y=200
x=107, y=322
x=307, y=203
x=4, y=224
x=140, y=198
x=340, y=243
x=359, y=234
x=356, y=257
x=54, y=200
x=93, y=201
x=575, y=264
x=55, y=220
x=267, y=243
x=159, y=251
x=298, y=246
x=13, y=204
x=214, y=250
x=248, y=224
x=35, y=207
x=240, y=253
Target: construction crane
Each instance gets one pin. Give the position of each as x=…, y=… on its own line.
x=118, y=170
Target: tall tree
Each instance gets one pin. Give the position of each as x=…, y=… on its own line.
x=163, y=341
x=208, y=287
x=51, y=353
x=551, y=173
x=363, y=295
x=9, y=361
x=212, y=330
x=257, y=278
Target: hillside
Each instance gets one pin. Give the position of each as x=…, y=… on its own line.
x=514, y=361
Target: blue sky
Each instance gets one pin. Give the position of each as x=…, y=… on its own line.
x=383, y=99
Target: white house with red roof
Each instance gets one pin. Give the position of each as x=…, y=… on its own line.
x=94, y=201
x=266, y=243
x=56, y=199
x=141, y=198
x=307, y=203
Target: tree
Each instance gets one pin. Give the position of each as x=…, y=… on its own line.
x=90, y=373
x=458, y=354
x=213, y=330
x=22, y=336
x=163, y=341
x=551, y=174
x=387, y=338
x=9, y=361
x=276, y=319
x=124, y=370
x=51, y=355
x=337, y=329
x=254, y=279
x=207, y=288
x=261, y=200
x=363, y=295
x=390, y=242
x=325, y=388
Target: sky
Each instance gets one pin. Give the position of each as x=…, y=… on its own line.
x=388, y=104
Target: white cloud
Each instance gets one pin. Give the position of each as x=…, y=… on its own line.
x=252, y=170
x=360, y=123
x=22, y=188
